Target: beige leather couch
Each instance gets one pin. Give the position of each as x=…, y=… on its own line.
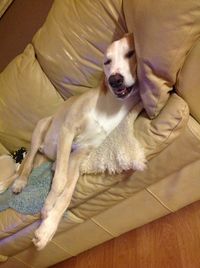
x=65, y=58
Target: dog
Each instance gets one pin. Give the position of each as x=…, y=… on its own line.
x=79, y=126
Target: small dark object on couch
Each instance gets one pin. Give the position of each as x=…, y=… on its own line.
x=19, y=155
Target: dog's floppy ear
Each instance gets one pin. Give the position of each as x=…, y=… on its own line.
x=103, y=85
x=128, y=35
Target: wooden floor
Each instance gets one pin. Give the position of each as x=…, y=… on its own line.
x=170, y=242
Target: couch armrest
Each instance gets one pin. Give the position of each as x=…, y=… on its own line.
x=156, y=134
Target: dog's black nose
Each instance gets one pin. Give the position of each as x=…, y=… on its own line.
x=116, y=80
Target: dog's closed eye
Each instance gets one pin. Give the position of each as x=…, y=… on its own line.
x=129, y=54
x=108, y=61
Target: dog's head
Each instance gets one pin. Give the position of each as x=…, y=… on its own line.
x=120, y=67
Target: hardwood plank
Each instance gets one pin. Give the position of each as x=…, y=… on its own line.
x=101, y=253
x=170, y=242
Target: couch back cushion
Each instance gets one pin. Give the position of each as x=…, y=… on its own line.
x=164, y=33
x=188, y=82
x=71, y=43
x=26, y=96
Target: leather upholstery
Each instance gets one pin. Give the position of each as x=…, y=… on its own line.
x=79, y=39
x=26, y=96
x=164, y=33
x=65, y=58
x=188, y=82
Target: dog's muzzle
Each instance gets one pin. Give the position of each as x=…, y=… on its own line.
x=116, y=82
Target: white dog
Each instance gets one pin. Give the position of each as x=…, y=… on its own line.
x=80, y=125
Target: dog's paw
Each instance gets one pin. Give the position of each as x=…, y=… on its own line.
x=44, y=234
x=19, y=185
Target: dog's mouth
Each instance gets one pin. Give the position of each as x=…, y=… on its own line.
x=123, y=92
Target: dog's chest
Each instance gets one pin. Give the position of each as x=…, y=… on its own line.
x=97, y=128
x=92, y=135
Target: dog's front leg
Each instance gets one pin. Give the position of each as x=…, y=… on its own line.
x=27, y=164
x=62, y=160
x=49, y=225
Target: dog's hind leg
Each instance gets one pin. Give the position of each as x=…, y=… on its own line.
x=27, y=165
x=64, y=145
x=50, y=223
